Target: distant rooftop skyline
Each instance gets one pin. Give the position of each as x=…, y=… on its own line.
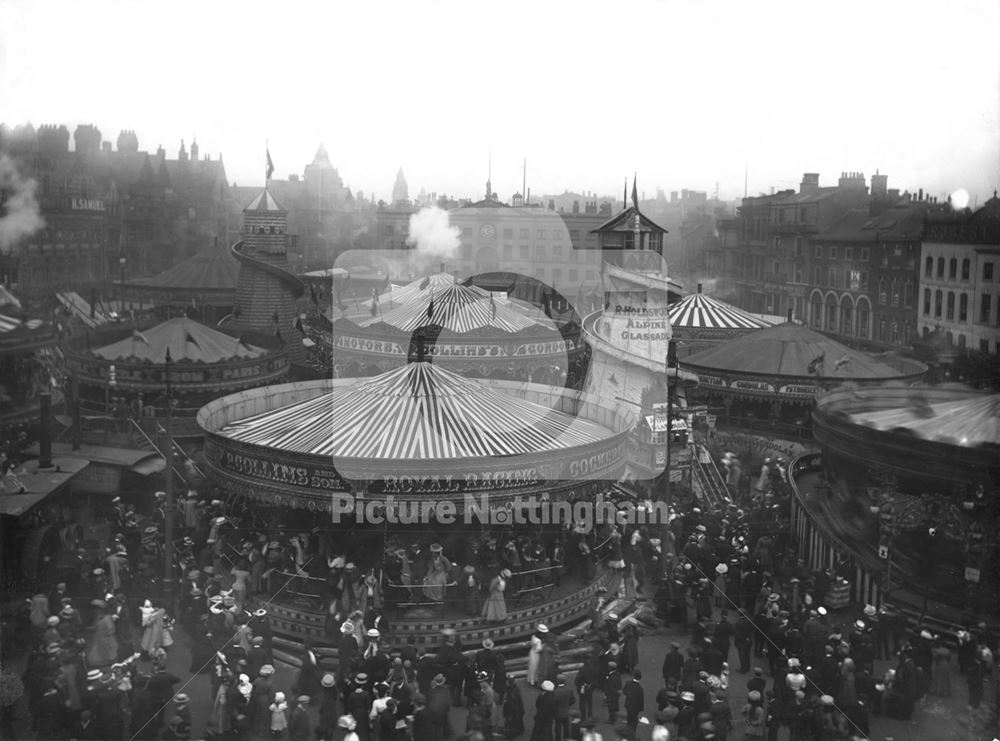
x=688, y=94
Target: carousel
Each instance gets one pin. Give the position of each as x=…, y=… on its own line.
x=445, y=501
x=700, y=322
x=128, y=371
x=908, y=479
x=467, y=329
x=773, y=375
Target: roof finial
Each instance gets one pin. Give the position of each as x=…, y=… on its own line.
x=489, y=175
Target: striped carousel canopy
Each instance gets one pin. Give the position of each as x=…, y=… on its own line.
x=963, y=422
x=418, y=411
x=698, y=311
x=457, y=308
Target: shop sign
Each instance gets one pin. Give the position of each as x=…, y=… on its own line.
x=798, y=390
x=366, y=344
x=547, y=348
x=711, y=381
x=86, y=204
x=276, y=472
x=752, y=386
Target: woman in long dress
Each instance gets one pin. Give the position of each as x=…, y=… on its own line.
x=152, y=627
x=103, y=648
x=437, y=575
x=495, y=608
x=535, y=655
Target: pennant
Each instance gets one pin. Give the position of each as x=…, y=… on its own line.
x=270, y=166
x=430, y=308
x=635, y=194
x=139, y=337
x=188, y=337
x=242, y=342
x=312, y=294
x=298, y=325
x=816, y=365
x=424, y=283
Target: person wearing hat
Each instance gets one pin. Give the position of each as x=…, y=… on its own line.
x=328, y=715
x=754, y=716
x=256, y=656
x=102, y=646
x=439, y=703
x=299, y=724
x=261, y=697
x=495, y=606
x=612, y=690
x=279, y=714
x=635, y=699
x=545, y=713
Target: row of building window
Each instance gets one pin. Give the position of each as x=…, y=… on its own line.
x=848, y=253
x=948, y=305
x=953, y=268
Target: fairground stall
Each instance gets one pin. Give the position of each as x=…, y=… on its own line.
x=905, y=494
x=407, y=489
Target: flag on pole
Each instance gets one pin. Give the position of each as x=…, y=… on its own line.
x=312, y=294
x=375, y=306
x=430, y=308
x=816, y=365
x=270, y=166
x=424, y=283
x=493, y=307
x=139, y=337
x=635, y=193
x=188, y=337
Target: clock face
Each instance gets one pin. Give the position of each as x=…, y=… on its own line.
x=487, y=231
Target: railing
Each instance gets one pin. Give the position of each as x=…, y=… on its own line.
x=786, y=430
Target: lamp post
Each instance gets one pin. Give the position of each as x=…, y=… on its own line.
x=168, y=455
x=670, y=366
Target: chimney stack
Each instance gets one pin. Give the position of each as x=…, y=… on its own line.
x=699, y=288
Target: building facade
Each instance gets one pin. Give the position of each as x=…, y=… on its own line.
x=960, y=278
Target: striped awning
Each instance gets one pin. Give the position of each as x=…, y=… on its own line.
x=698, y=311
x=416, y=412
x=399, y=295
x=185, y=338
x=457, y=308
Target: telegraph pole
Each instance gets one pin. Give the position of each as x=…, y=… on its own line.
x=168, y=455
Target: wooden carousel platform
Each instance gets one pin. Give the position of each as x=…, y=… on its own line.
x=296, y=620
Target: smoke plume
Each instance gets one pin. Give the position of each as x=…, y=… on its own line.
x=19, y=212
x=432, y=235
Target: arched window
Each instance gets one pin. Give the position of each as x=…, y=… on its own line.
x=908, y=294
x=966, y=268
x=950, y=306
x=881, y=291
x=847, y=318
x=895, y=292
x=816, y=311
x=953, y=268
x=863, y=314
x=940, y=270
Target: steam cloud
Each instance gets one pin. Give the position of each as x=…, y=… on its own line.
x=432, y=234
x=19, y=212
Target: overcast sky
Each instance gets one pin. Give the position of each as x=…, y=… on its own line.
x=689, y=94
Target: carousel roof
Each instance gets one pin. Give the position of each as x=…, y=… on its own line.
x=963, y=422
x=186, y=339
x=210, y=269
x=416, y=288
x=790, y=350
x=417, y=411
x=698, y=311
x=457, y=308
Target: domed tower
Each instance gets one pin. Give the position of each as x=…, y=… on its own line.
x=266, y=291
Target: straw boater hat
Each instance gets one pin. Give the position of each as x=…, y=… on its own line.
x=437, y=681
x=721, y=568
x=826, y=700
x=347, y=722
x=469, y=570
x=260, y=612
x=266, y=670
x=870, y=611
x=488, y=644
x=373, y=633
x=821, y=610
x=303, y=699
x=505, y=574
x=347, y=627
x=328, y=680
x=67, y=609
x=182, y=699
x=859, y=624
x=436, y=548
x=53, y=620
x=547, y=686
x=687, y=696
x=361, y=678
x=542, y=628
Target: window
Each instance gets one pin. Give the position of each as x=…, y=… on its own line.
x=927, y=302
x=848, y=253
x=987, y=271
x=863, y=320
x=864, y=254
x=557, y=252
x=881, y=291
x=908, y=294
x=818, y=276
x=574, y=235
x=894, y=333
x=864, y=280
x=966, y=266
x=929, y=267
x=556, y=275
x=540, y=234
x=816, y=311
x=833, y=252
x=508, y=252
x=508, y=233
x=798, y=272
x=574, y=275
x=963, y=307
x=775, y=267
x=881, y=329
x=895, y=292
x=984, y=345
x=832, y=276
x=847, y=318
x=539, y=251
x=938, y=303
x=557, y=235
x=797, y=248
x=950, y=306
x=953, y=268
x=819, y=252
x=523, y=252
x=524, y=234
x=940, y=267
x=985, y=307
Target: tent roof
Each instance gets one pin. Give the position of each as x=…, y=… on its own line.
x=210, y=269
x=963, y=422
x=418, y=411
x=698, y=311
x=186, y=339
x=457, y=308
x=788, y=350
